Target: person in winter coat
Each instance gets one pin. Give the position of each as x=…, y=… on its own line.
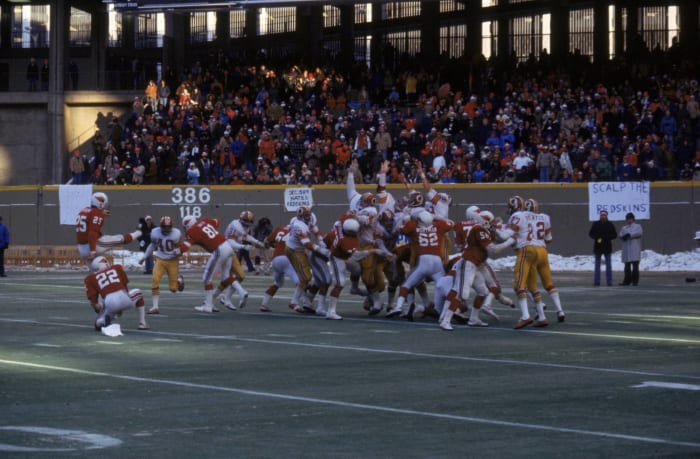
x=631, y=235
x=602, y=232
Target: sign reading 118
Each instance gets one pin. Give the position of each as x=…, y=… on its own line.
x=189, y=199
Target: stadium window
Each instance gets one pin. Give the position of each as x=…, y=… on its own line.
x=80, y=28
x=530, y=35
x=202, y=26
x=449, y=6
x=658, y=26
x=398, y=10
x=114, y=27
x=363, y=13
x=30, y=26
x=277, y=20
x=331, y=49
x=513, y=2
x=363, y=50
x=581, y=32
x=452, y=39
x=407, y=42
x=488, y=3
x=611, y=32
x=331, y=16
x=236, y=23
x=150, y=28
x=489, y=39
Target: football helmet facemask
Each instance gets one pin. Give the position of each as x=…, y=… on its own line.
x=246, y=218
x=99, y=263
x=532, y=205
x=166, y=224
x=99, y=200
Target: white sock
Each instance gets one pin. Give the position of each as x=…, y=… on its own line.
x=524, y=313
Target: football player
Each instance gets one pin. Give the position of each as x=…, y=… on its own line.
x=298, y=243
x=534, y=232
x=165, y=243
x=281, y=265
x=204, y=232
x=88, y=230
x=426, y=235
x=110, y=283
x=343, y=245
x=467, y=275
x=239, y=231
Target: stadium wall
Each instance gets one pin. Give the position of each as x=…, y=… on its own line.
x=32, y=212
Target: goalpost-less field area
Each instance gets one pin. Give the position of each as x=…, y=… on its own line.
x=619, y=378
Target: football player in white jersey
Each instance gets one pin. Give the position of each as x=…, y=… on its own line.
x=531, y=230
x=299, y=243
x=165, y=243
x=239, y=231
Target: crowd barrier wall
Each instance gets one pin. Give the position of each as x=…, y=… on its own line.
x=32, y=212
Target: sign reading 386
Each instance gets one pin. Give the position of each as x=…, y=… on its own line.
x=189, y=200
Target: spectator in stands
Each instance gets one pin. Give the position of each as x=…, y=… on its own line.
x=4, y=244
x=32, y=75
x=45, y=75
x=77, y=168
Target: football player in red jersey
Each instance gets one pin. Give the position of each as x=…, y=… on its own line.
x=343, y=245
x=468, y=274
x=426, y=235
x=281, y=265
x=204, y=232
x=88, y=230
x=110, y=283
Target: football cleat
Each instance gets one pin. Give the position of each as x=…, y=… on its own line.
x=490, y=312
x=561, y=316
x=393, y=312
x=523, y=323
x=445, y=325
x=477, y=323
x=541, y=323
x=153, y=310
x=242, y=301
x=223, y=299
x=204, y=308
x=264, y=308
x=333, y=316
x=180, y=283
x=143, y=326
x=411, y=310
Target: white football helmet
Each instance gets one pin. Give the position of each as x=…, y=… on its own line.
x=99, y=263
x=472, y=212
x=99, y=200
x=485, y=219
x=304, y=214
x=188, y=222
x=351, y=227
x=425, y=218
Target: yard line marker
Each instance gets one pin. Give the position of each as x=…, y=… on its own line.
x=46, y=345
x=153, y=333
x=668, y=385
x=362, y=406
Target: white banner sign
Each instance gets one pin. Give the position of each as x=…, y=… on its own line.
x=619, y=198
x=297, y=197
x=71, y=200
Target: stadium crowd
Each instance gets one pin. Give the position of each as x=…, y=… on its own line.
x=496, y=120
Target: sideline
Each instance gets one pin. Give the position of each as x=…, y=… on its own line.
x=362, y=406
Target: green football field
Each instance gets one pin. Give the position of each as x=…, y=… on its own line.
x=620, y=378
